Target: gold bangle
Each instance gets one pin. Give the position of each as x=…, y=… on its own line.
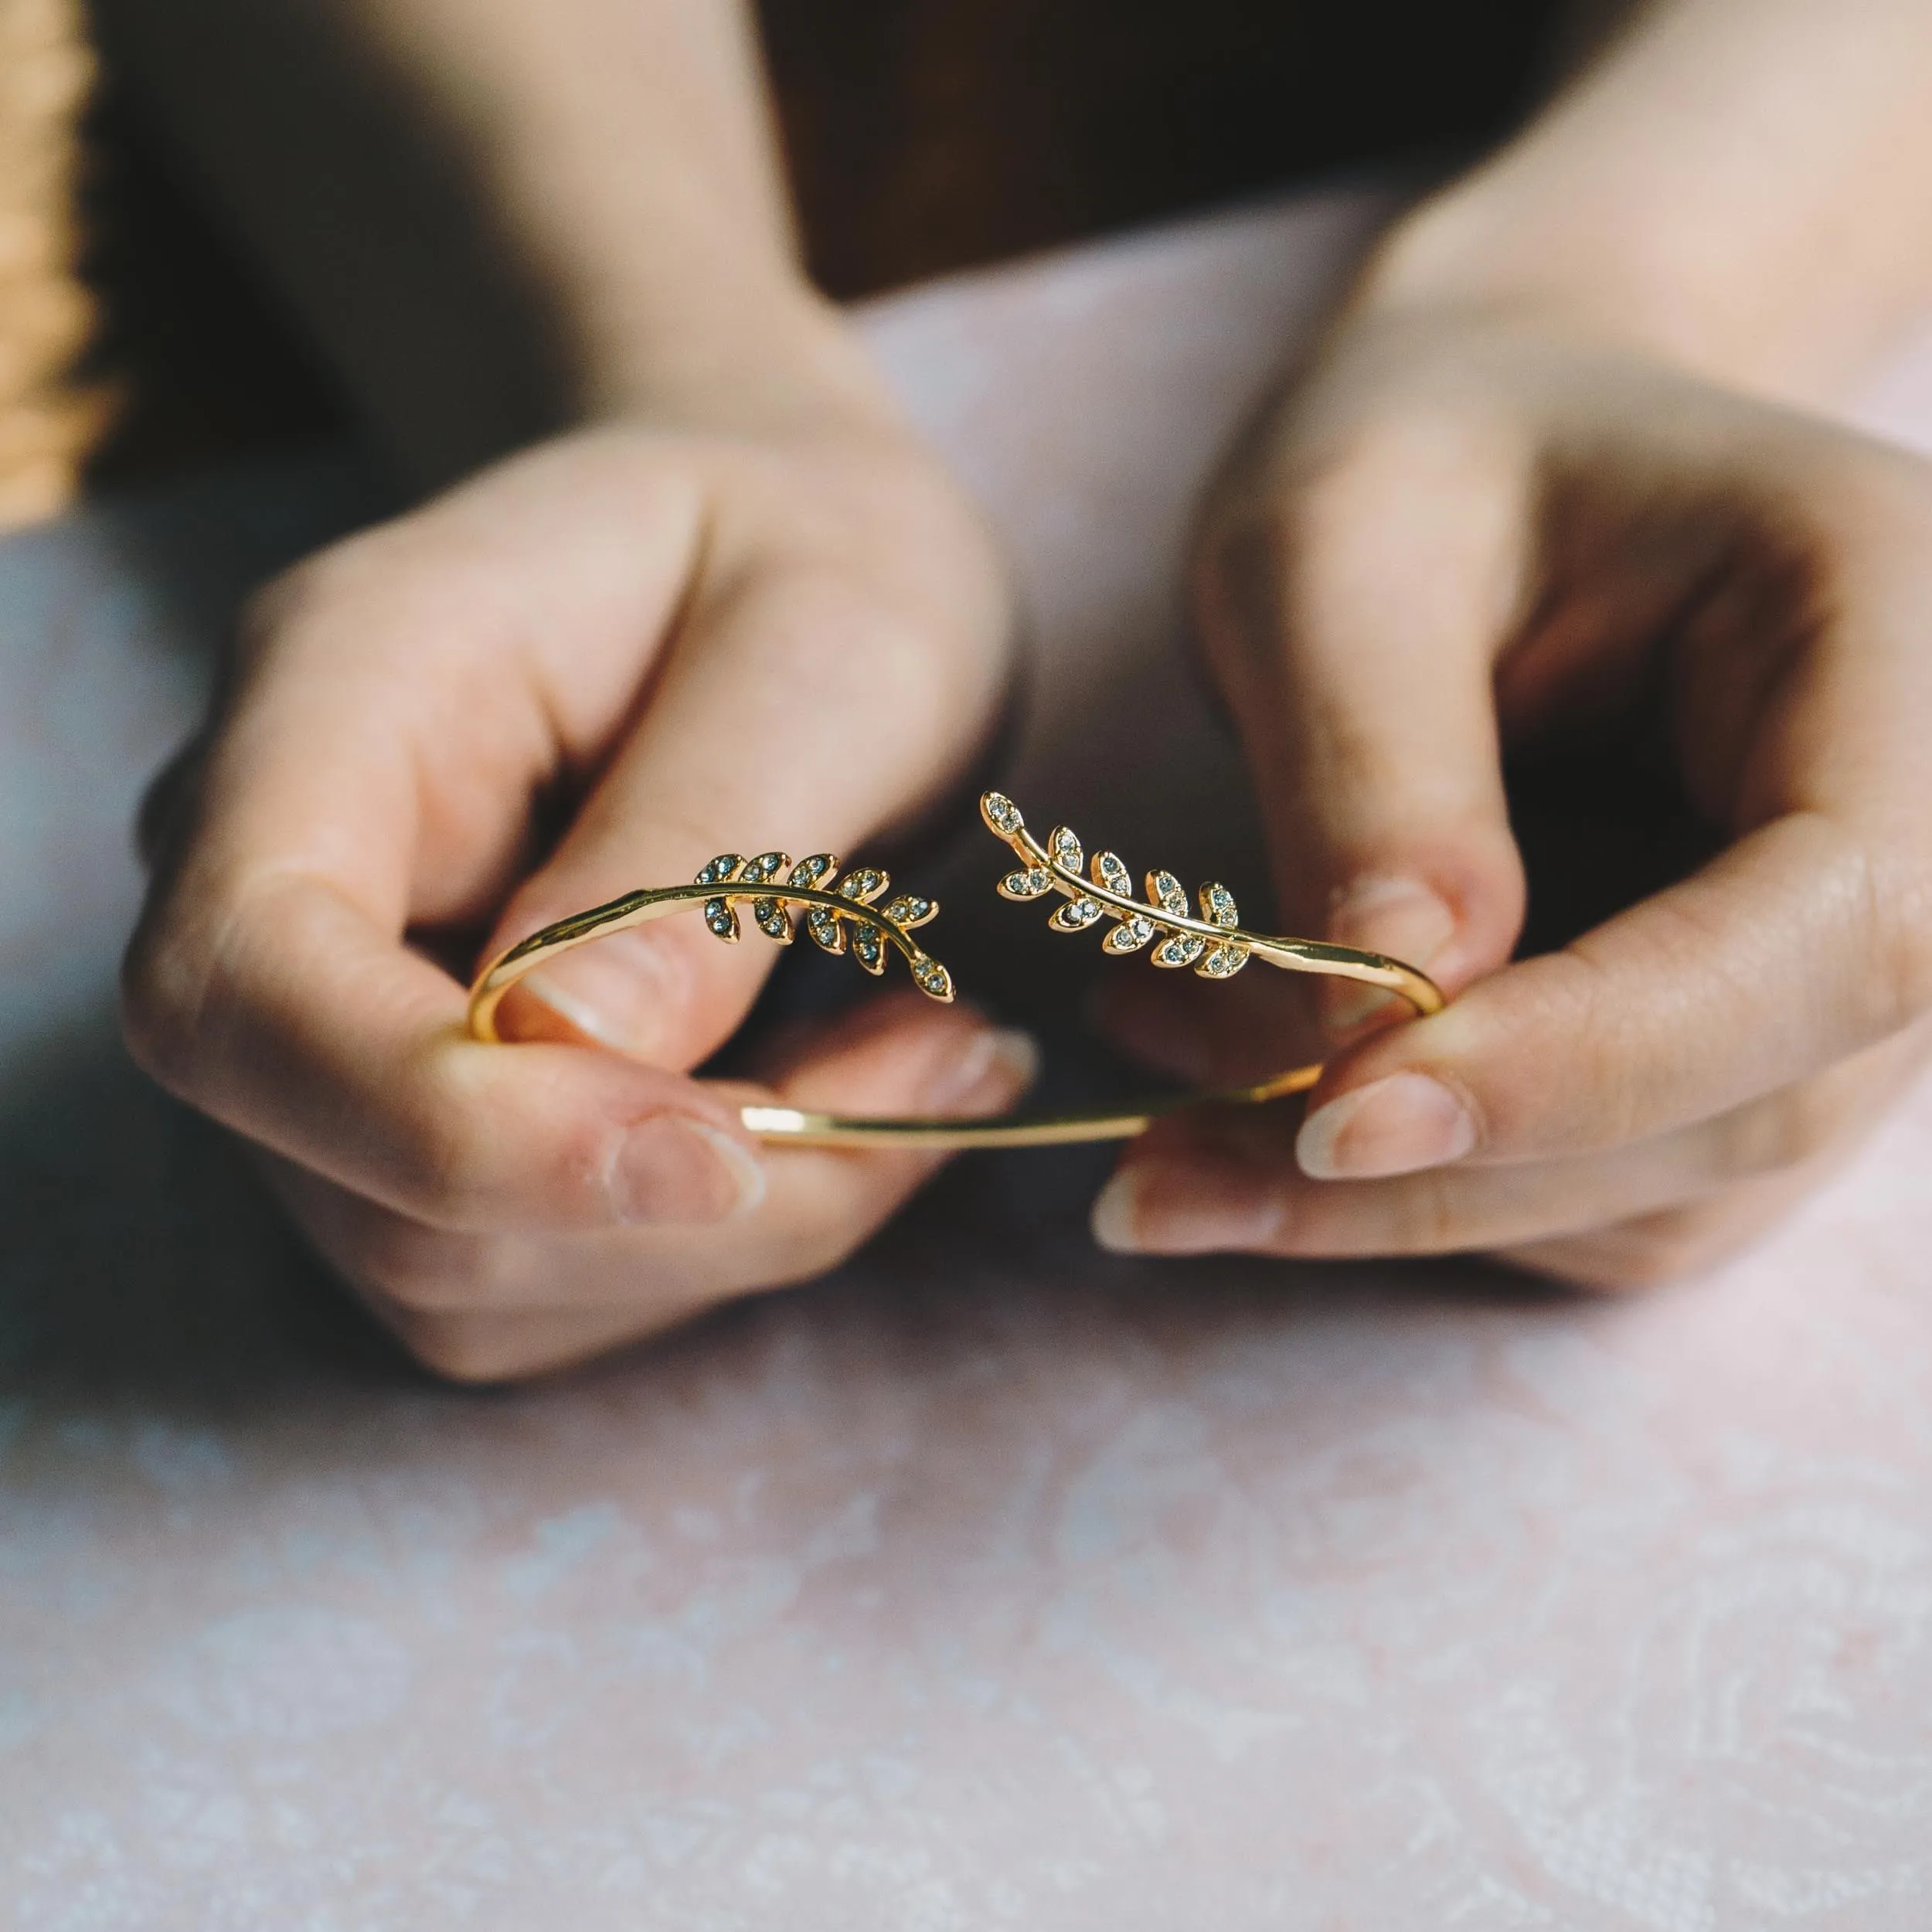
x=842, y=915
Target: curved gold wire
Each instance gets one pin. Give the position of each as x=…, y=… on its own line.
x=1216, y=946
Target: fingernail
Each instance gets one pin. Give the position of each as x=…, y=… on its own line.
x=618, y=992
x=670, y=1167
x=1392, y=1126
x=995, y=1063
x=1401, y=917
x=1148, y=1208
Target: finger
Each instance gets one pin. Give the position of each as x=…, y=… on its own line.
x=287, y=1012
x=1229, y=1182
x=483, y=1307
x=801, y=709
x=1352, y=616
x=1790, y=951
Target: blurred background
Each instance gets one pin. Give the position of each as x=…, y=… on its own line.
x=923, y=136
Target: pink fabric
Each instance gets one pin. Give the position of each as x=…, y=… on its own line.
x=993, y=1582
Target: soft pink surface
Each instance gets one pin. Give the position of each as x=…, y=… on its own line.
x=992, y=1582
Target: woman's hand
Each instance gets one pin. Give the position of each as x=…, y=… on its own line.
x=1484, y=530
x=590, y=669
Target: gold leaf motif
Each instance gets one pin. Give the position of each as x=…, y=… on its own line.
x=1028, y=884
x=910, y=909
x=773, y=921
x=864, y=884
x=1168, y=892
x=766, y=865
x=1002, y=814
x=813, y=872
x=1129, y=936
x=1218, y=907
x=932, y=979
x=827, y=929
x=722, y=921
x=715, y=872
x=1223, y=961
x=867, y=947
x=1182, y=949
x=1075, y=915
x=1110, y=869
x=1063, y=843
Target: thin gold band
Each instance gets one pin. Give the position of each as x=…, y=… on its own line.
x=841, y=916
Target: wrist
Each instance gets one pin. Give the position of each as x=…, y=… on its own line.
x=751, y=348
x=1588, y=259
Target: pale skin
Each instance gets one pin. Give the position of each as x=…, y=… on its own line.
x=1558, y=454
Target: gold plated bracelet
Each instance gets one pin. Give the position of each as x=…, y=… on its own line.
x=851, y=913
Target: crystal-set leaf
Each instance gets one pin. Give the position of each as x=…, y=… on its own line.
x=814, y=871
x=867, y=947
x=1028, y=884
x=932, y=978
x=772, y=919
x=1129, y=936
x=1075, y=915
x=828, y=930
x=1065, y=845
x=716, y=870
x=1110, y=869
x=720, y=916
x=864, y=883
x=1168, y=892
x=766, y=865
x=1182, y=949
x=910, y=909
x=1218, y=907
x=1223, y=961
x=1002, y=814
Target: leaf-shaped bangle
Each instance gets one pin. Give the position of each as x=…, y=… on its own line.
x=857, y=912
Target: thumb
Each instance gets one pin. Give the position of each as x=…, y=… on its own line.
x=792, y=710
x=1352, y=618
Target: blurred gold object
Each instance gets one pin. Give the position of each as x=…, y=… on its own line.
x=852, y=914
x=49, y=419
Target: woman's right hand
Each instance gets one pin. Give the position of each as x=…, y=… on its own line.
x=686, y=641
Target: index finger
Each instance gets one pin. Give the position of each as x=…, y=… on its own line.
x=1799, y=945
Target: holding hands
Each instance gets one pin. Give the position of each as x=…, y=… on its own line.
x=1554, y=479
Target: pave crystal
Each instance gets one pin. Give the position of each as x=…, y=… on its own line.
x=1167, y=892
x=716, y=870
x=1028, y=884
x=1223, y=962
x=1002, y=813
x=1065, y=845
x=1110, y=869
x=773, y=921
x=1129, y=936
x=910, y=909
x=1077, y=915
x=867, y=947
x=826, y=928
x=767, y=865
x=810, y=871
x=719, y=915
x=1218, y=907
x=864, y=884
x=932, y=978
x=1183, y=949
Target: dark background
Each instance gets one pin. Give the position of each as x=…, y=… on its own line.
x=922, y=136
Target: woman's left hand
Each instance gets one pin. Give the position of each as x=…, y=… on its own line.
x=1473, y=531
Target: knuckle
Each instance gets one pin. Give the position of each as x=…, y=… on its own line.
x=425, y=1270
x=473, y=1351
x=164, y=980
x=1655, y=1250
x=1787, y=1130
